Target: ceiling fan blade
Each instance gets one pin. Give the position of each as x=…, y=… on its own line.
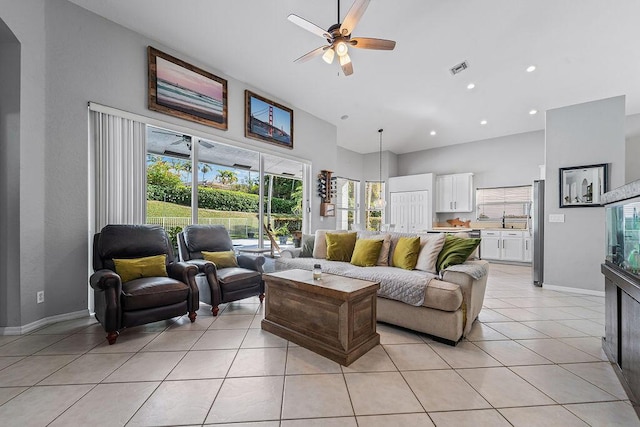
x=309, y=26
x=347, y=68
x=312, y=54
x=371, y=43
x=353, y=16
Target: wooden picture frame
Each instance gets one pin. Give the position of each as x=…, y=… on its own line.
x=182, y=90
x=583, y=186
x=327, y=209
x=267, y=121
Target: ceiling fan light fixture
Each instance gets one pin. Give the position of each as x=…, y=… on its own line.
x=341, y=48
x=328, y=56
x=344, y=59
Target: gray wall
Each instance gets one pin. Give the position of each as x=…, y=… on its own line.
x=9, y=174
x=632, y=149
x=497, y=162
x=504, y=161
x=583, y=134
x=70, y=57
x=26, y=21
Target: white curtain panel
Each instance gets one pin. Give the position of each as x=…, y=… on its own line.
x=120, y=170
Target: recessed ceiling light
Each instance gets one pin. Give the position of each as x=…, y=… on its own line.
x=345, y=117
x=531, y=68
x=532, y=112
x=483, y=122
x=471, y=86
x=432, y=133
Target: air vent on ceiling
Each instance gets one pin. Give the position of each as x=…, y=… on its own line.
x=456, y=69
x=287, y=174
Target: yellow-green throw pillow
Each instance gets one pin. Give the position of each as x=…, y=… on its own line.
x=406, y=253
x=136, y=268
x=456, y=250
x=222, y=259
x=366, y=252
x=340, y=246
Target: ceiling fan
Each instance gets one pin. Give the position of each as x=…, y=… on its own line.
x=339, y=37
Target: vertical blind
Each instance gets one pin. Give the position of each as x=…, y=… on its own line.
x=119, y=146
x=509, y=202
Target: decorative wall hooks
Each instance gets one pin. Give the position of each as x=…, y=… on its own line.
x=326, y=191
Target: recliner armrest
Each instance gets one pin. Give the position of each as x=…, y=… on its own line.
x=104, y=279
x=203, y=265
x=182, y=271
x=254, y=263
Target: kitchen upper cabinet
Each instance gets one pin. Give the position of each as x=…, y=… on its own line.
x=454, y=193
x=410, y=210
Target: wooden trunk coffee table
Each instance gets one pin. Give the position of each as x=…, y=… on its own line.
x=334, y=316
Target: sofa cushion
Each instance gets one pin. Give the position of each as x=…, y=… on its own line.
x=431, y=246
x=308, y=241
x=222, y=259
x=136, y=268
x=236, y=278
x=149, y=292
x=383, y=258
x=442, y=295
x=366, y=252
x=320, y=243
x=406, y=253
x=456, y=250
x=340, y=246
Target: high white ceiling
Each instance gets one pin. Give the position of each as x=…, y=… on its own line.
x=584, y=50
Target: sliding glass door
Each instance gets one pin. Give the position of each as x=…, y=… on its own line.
x=197, y=181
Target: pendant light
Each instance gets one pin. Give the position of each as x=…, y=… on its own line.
x=380, y=203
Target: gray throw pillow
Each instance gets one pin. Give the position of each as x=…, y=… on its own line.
x=308, y=241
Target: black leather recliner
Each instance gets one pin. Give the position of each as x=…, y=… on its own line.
x=149, y=299
x=220, y=285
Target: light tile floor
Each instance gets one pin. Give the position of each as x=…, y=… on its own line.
x=533, y=358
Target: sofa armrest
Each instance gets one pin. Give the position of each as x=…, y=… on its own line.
x=472, y=290
x=291, y=253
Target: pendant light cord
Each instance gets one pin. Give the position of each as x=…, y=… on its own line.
x=380, y=169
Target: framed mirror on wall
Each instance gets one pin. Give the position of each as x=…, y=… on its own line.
x=583, y=186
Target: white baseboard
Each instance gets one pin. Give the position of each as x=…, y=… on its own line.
x=573, y=290
x=25, y=329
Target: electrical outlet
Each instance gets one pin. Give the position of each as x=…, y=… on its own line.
x=40, y=297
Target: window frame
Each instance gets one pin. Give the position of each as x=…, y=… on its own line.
x=354, y=200
x=370, y=208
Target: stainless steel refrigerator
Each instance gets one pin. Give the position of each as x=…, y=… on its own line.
x=536, y=231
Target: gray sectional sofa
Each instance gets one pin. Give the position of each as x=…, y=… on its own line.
x=443, y=305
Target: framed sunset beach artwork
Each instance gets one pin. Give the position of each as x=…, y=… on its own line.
x=267, y=120
x=185, y=91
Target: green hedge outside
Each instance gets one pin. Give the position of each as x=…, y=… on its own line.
x=218, y=199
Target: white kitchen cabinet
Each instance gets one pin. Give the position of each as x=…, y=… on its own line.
x=490, y=244
x=528, y=248
x=454, y=193
x=410, y=210
x=512, y=246
x=505, y=245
